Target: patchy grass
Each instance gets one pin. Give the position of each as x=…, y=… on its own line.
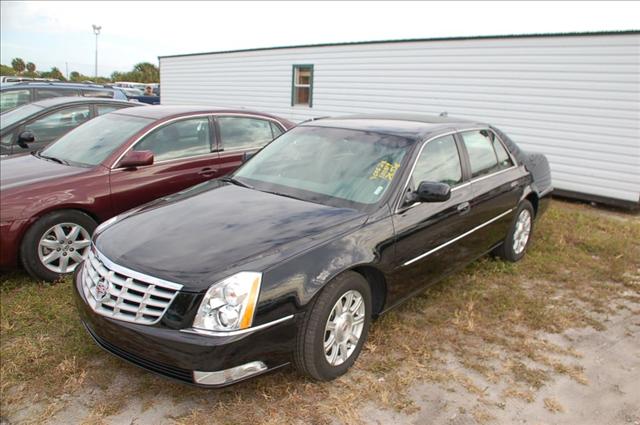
x=490, y=318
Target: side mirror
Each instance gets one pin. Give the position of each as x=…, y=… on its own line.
x=25, y=138
x=136, y=159
x=433, y=192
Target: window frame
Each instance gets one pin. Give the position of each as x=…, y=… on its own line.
x=295, y=85
x=468, y=159
x=461, y=158
x=219, y=141
x=465, y=163
x=212, y=140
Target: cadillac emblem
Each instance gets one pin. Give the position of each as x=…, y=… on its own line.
x=101, y=289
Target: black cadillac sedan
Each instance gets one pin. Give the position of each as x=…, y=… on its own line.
x=288, y=260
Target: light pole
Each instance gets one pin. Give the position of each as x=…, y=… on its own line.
x=96, y=31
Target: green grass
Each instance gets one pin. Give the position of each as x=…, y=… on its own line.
x=583, y=263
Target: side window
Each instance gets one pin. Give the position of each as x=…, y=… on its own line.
x=504, y=161
x=97, y=93
x=105, y=109
x=6, y=142
x=53, y=125
x=11, y=98
x=180, y=139
x=481, y=153
x=48, y=93
x=244, y=133
x=276, y=130
x=439, y=161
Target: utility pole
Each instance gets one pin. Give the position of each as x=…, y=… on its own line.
x=96, y=31
x=66, y=68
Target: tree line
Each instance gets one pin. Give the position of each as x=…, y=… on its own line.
x=143, y=72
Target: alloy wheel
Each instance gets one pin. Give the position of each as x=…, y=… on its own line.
x=63, y=247
x=344, y=327
x=522, y=231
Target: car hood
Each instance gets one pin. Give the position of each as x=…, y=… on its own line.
x=195, y=237
x=18, y=172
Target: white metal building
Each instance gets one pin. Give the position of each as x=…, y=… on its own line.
x=573, y=97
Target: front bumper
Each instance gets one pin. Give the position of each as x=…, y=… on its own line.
x=10, y=235
x=182, y=355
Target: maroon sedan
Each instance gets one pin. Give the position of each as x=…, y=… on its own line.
x=53, y=200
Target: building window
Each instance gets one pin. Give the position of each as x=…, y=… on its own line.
x=302, y=88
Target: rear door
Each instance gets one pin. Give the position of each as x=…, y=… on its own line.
x=427, y=233
x=497, y=185
x=184, y=155
x=240, y=137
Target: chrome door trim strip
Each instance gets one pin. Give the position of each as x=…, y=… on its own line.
x=238, y=332
x=185, y=117
x=421, y=256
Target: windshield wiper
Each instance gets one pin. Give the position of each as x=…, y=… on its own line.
x=233, y=180
x=283, y=194
x=50, y=158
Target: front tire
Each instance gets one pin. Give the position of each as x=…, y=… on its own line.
x=517, y=240
x=334, y=328
x=56, y=243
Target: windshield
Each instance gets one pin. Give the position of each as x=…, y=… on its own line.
x=345, y=168
x=92, y=142
x=11, y=117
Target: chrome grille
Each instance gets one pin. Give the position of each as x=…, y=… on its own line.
x=123, y=294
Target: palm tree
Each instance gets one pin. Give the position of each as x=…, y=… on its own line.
x=31, y=67
x=18, y=65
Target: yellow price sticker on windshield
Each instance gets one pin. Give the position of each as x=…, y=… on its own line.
x=384, y=170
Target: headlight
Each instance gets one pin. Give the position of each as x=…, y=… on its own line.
x=106, y=224
x=229, y=305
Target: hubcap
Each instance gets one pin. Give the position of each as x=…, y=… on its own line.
x=521, y=234
x=63, y=247
x=344, y=327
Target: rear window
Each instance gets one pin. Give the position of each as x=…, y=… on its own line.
x=49, y=93
x=97, y=93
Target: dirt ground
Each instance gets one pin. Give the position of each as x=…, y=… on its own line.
x=610, y=395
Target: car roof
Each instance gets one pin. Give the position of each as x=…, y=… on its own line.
x=53, y=84
x=157, y=112
x=412, y=126
x=55, y=101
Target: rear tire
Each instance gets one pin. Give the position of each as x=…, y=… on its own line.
x=56, y=243
x=334, y=328
x=517, y=240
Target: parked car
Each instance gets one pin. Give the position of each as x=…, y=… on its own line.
x=53, y=199
x=290, y=257
x=17, y=94
x=33, y=126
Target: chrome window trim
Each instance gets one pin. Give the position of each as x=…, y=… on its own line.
x=134, y=274
x=185, y=117
x=457, y=238
x=238, y=332
x=461, y=185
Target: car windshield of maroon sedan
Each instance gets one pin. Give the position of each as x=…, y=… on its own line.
x=339, y=167
x=92, y=142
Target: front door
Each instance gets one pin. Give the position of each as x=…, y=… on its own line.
x=183, y=156
x=426, y=246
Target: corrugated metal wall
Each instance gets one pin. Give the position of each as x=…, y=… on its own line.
x=574, y=98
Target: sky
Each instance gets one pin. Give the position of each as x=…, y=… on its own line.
x=60, y=33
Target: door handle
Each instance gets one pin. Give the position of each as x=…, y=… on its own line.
x=207, y=172
x=464, y=207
